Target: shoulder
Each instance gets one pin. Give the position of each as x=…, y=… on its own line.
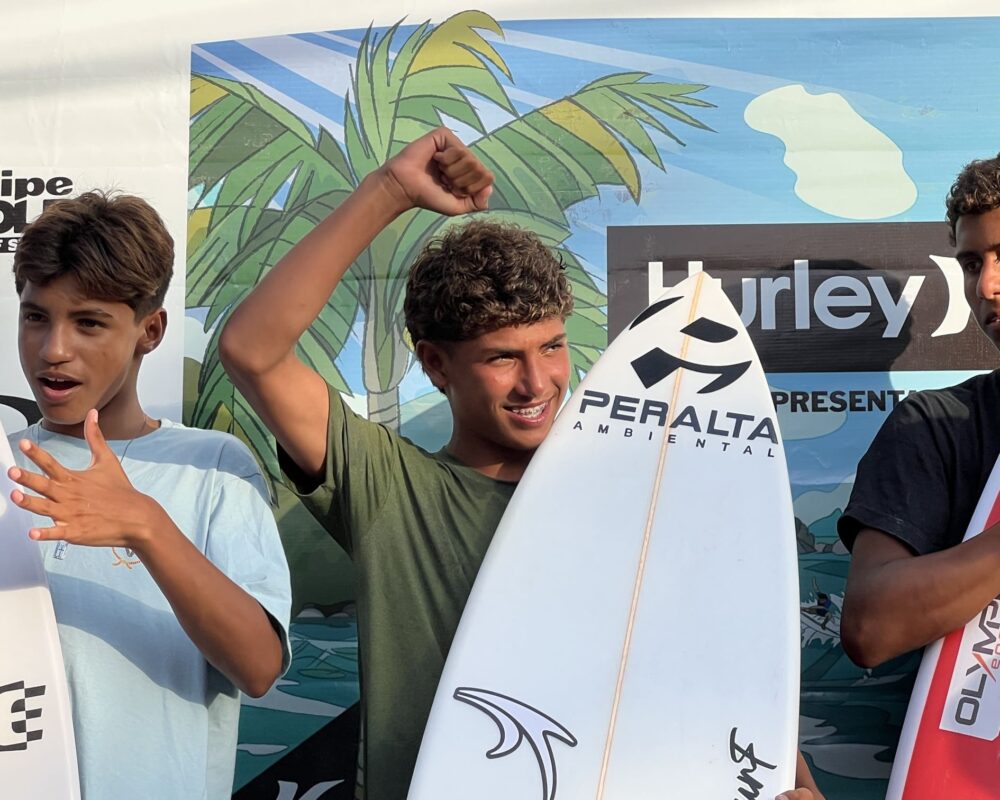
x=207, y=449
x=950, y=405
x=31, y=432
x=969, y=392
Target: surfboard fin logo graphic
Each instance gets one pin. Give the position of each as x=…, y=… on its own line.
x=15, y=715
x=518, y=722
x=657, y=364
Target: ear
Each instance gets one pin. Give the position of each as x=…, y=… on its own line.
x=434, y=359
x=154, y=326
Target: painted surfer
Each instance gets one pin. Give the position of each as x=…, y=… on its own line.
x=485, y=308
x=168, y=579
x=912, y=579
x=823, y=609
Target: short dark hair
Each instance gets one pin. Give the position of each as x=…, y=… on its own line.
x=481, y=277
x=115, y=245
x=976, y=190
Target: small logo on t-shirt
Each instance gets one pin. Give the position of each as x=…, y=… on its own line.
x=17, y=715
x=125, y=557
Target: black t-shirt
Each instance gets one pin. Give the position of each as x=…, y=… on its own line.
x=922, y=475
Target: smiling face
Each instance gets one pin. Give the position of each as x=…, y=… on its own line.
x=977, y=249
x=79, y=353
x=504, y=388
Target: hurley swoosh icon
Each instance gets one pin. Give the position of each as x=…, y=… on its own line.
x=519, y=722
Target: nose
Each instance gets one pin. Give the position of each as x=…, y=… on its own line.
x=988, y=284
x=532, y=383
x=55, y=347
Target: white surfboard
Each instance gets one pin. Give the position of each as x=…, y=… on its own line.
x=634, y=630
x=950, y=742
x=37, y=749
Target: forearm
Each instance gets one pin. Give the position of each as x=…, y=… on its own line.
x=294, y=292
x=804, y=778
x=228, y=626
x=895, y=606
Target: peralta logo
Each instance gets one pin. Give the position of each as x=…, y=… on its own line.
x=973, y=708
x=22, y=199
x=723, y=428
x=19, y=716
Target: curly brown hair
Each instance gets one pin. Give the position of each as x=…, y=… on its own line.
x=480, y=277
x=115, y=245
x=976, y=190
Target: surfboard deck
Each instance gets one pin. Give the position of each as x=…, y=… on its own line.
x=37, y=748
x=950, y=742
x=634, y=628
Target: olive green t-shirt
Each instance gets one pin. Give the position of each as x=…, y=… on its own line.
x=417, y=526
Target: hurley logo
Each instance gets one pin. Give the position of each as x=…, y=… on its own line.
x=16, y=711
x=519, y=722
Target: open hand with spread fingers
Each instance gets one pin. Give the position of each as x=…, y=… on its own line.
x=97, y=506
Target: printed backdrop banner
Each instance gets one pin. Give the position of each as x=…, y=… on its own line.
x=801, y=162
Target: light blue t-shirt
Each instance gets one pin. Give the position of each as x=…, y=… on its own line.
x=153, y=719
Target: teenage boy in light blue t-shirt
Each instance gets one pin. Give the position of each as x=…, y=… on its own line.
x=168, y=579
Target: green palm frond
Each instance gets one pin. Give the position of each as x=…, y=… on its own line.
x=583, y=141
x=247, y=150
x=396, y=100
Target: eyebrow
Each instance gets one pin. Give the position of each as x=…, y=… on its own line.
x=994, y=248
x=80, y=312
x=493, y=351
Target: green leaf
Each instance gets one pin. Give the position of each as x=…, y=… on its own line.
x=522, y=185
x=614, y=80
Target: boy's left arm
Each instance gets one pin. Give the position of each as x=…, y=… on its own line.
x=808, y=790
x=99, y=507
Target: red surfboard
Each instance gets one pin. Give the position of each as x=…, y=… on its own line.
x=950, y=744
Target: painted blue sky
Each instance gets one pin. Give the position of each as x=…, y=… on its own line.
x=909, y=78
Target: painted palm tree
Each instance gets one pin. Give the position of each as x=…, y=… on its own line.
x=265, y=179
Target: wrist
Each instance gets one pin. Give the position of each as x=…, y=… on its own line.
x=389, y=197
x=147, y=527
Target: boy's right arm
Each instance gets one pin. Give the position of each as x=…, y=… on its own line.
x=257, y=346
x=896, y=601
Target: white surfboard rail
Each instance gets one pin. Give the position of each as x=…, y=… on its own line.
x=634, y=630
x=37, y=748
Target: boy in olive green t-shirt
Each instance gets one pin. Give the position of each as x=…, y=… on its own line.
x=485, y=307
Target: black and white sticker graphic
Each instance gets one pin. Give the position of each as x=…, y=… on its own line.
x=518, y=722
x=657, y=364
x=18, y=715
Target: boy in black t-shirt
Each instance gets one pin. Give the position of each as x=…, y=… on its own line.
x=912, y=579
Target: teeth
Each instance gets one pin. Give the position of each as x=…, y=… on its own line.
x=58, y=384
x=530, y=413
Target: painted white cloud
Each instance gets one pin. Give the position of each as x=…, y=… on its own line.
x=843, y=164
